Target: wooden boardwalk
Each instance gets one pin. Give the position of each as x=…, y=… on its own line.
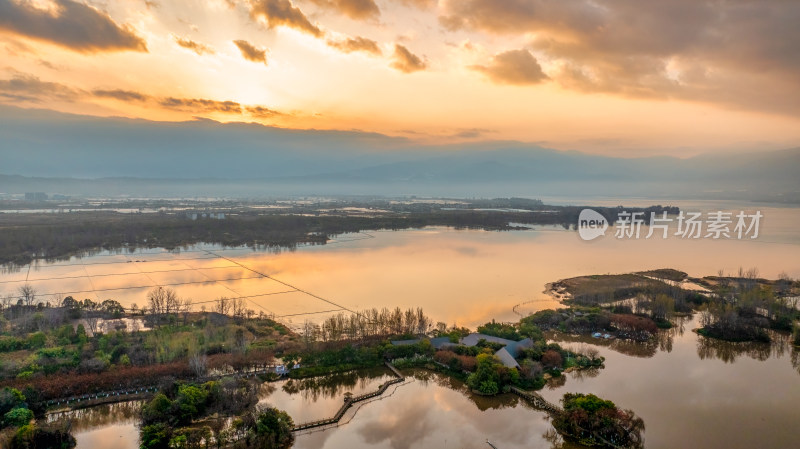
x=538, y=401
x=350, y=400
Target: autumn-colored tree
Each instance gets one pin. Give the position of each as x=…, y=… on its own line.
x=552, y=359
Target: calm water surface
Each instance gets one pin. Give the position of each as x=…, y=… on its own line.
x=463, y=277
x=692, y=393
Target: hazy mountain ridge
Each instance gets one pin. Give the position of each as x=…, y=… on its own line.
x=201, y=158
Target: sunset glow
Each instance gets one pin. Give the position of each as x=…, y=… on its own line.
x=610, y=77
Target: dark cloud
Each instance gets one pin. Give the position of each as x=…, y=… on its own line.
x=74, y=25
x=355, y=9
x=357, y=43
x=121, y=95
x=251, y=52
x=405, y=61
x=25, y=87
x=197, y=47
x=283, y=13
x=201, y=105
x=22, y=87
x=744, y=53
x=262, y=112
x=513, y=67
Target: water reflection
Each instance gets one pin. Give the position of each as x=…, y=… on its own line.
x=318, y=398
x=691, y=391
x=89, y=418
x=462, y=277
x=435, y=411
x=335, y=385
x=694, y=392
x=109, y=426
x=728, y=352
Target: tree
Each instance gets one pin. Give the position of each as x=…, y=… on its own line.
x=502, y=330
x=552, y=359
x=594, y=421
x=155, y=436
x=17, y=417
x=113, y=308
x=27, y=293
x=92, y=320
x=273, y=428
x=54, y=435
x=486, y=378
x=238, y=307
x=157, y=410
x=10, y=398
x=163, y=301
x=191, y=402
x=222, y=306
x=199, y=364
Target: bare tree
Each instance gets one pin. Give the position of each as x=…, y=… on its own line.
x=310, y=333
x=185, y=307
x=238, y=307
x=198, y=362
x=92, y=320
x=163, y=301
x=27, y=293
x=222, y=306
x=156, y=299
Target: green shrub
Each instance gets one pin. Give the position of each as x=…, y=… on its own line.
x=17, y=417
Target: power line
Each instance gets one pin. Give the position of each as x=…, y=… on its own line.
x=288, y=285
x=146, y=286
x=117, y=274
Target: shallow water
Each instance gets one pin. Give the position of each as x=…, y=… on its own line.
x=691, y=392
x=462, y=277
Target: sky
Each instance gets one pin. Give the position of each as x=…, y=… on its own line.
x=614, y=77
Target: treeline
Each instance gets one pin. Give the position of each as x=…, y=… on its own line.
x=746, y=311
x=119, y=378
x=582, y=320
x=604, y=289
x=25, y=237
x=369, y=324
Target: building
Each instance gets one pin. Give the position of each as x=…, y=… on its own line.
x=507, y=354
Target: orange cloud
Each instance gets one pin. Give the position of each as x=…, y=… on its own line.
x=513, y=67
x=251, y=52
x=405, y=61
x=357, y=43
x=283, y=13
x=355, y=9
x=196, y=47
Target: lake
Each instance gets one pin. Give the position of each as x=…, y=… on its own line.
x=458, y=277
x=691, y=392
